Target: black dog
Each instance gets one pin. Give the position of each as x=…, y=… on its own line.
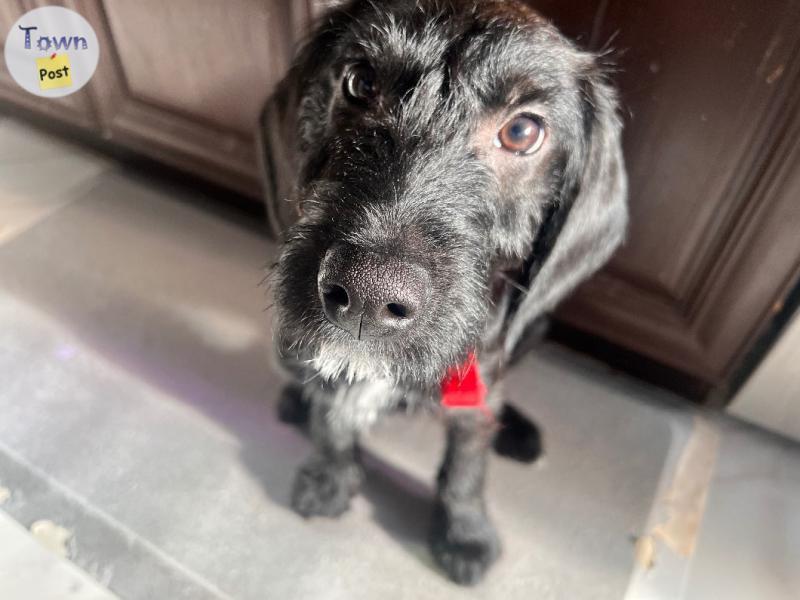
x=454, y=169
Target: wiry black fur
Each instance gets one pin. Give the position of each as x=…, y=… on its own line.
x=414, y=176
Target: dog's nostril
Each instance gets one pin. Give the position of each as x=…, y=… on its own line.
x=336, y=294
x=398, y=311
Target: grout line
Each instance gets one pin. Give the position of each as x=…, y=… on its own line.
x=33, y=568
x=130, y=534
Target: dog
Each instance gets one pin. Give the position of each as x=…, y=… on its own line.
x=441, y=173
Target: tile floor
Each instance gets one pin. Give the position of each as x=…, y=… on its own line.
x=137, y=413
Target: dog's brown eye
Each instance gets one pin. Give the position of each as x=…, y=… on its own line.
x=359, y=83
x=524, y=134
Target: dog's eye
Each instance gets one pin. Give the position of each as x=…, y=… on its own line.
x=359, y=83
x=524, y=134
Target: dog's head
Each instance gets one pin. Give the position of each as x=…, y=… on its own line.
x=427, y=152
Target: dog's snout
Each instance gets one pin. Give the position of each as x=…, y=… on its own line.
x=371, y=295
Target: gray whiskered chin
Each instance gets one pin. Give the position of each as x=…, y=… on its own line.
x=352, y=363
x=334, y=358
x=327, y=354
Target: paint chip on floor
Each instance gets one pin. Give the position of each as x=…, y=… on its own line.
x=51, y=536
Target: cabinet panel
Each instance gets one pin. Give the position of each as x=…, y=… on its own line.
x=208, y=60
x=186, y=80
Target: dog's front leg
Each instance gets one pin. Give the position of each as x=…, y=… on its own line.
x=331, y=476
x=463, y=539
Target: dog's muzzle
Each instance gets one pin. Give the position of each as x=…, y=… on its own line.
x=371, y=295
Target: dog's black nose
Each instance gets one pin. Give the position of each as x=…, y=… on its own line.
x=371, y=295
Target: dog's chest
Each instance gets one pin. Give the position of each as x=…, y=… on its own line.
x=357, y=406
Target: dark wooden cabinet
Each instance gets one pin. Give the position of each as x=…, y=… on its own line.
x=711, y=94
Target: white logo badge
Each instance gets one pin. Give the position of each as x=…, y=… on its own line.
x=52, y=51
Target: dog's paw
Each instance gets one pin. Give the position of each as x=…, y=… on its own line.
x=464, y=547
x=518, y=437
x=322, y=488
x=293, y=408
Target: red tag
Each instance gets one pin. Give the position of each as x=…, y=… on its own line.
x=463, y=387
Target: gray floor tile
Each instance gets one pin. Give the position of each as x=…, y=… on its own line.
x=38, y=176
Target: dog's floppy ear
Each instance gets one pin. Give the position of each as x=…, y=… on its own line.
x=587, y=221
x=293, y=118
x=277, y=150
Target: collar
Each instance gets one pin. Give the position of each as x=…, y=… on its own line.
x=463, y=386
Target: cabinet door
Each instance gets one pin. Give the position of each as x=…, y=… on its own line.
x=184, y=80
x=711, y=94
